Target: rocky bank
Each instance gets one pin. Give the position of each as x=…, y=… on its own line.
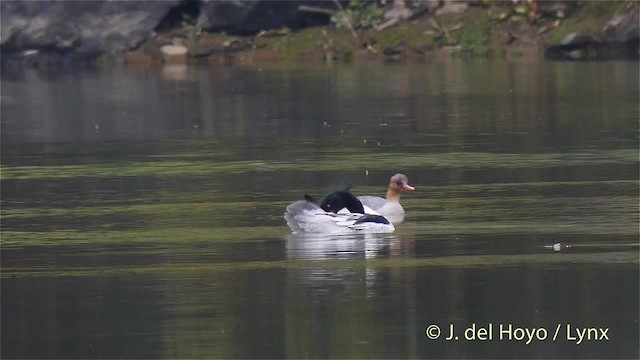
x=50, y=33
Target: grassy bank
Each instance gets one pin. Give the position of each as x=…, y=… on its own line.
x=488, y=29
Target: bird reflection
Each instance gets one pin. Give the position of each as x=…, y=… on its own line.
x=349, y=246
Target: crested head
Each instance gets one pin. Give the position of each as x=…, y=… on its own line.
x=337, y=200
x=400, y=182
x=397, y=184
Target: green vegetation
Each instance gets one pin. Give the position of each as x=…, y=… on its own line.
x=358, y=15
x=141, y=236
x=474, y=40
x=313, y=42
x=354, y=160
x=296, y=45
x=485, y=29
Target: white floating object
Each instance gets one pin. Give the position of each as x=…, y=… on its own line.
x=174, y=50
x=557, y=247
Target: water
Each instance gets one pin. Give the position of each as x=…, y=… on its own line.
x=142, y=211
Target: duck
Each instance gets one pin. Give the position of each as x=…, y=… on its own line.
x=389, y=206
x=339, y=212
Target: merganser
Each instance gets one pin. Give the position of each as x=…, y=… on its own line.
x=389, y=207
x=340, y=212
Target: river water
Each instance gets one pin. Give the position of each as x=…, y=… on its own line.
x=142, y=211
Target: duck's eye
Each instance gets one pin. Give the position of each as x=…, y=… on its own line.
x=399, y=183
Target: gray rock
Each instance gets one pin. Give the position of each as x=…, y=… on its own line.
x=174, y=50
x=619, y=39
x=622, y=28
x=252, y=16
x=224, y=14
x=574, y=46
x=576, y=40
x=89, y=27
x=452, y=7
x=430, y=5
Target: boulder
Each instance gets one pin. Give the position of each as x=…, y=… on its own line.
x=574, y=46
x=174, y=53
x=576, y=40
x=430, y=5
x=619, y=39
x=622, y=28
x=248, y=17
x=225, y=14
x=85, y=27
x=452, y=7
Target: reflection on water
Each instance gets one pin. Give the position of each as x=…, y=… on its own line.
x=142, y=212
x=349, y=246
x=564, y=100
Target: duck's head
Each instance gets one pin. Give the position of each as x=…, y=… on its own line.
x=337, y=200
x=399, y=182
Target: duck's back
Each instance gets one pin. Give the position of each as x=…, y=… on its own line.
x=392, y=210
x=374, y=202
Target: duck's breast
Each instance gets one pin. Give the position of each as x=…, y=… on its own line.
x=391, y=208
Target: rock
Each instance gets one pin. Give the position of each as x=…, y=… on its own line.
x=576, y=40
x=622, y=28
x=399, y=11
x=452, y=7
x=574, y=46
x=173, y=50
x=246, y=17
x=556, y=10
x=396, y=14
x=174, y=54
x=224, y=14
x=619, y=39
x=87, y=27
x=430, y=5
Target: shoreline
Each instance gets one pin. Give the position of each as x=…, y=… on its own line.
x=501, y=30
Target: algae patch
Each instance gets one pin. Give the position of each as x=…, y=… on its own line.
x=352, y=161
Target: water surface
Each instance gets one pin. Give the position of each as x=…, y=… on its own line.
x=142, y=211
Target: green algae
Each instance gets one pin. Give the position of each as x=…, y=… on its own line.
x=140, y=236
x=359, y=159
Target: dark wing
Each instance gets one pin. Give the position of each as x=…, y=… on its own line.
x=372, y=219
x=311, y=199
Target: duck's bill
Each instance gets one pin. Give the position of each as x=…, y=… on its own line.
x=407, y=187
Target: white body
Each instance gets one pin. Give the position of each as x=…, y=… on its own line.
x=306, y=217
x=390, y=209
